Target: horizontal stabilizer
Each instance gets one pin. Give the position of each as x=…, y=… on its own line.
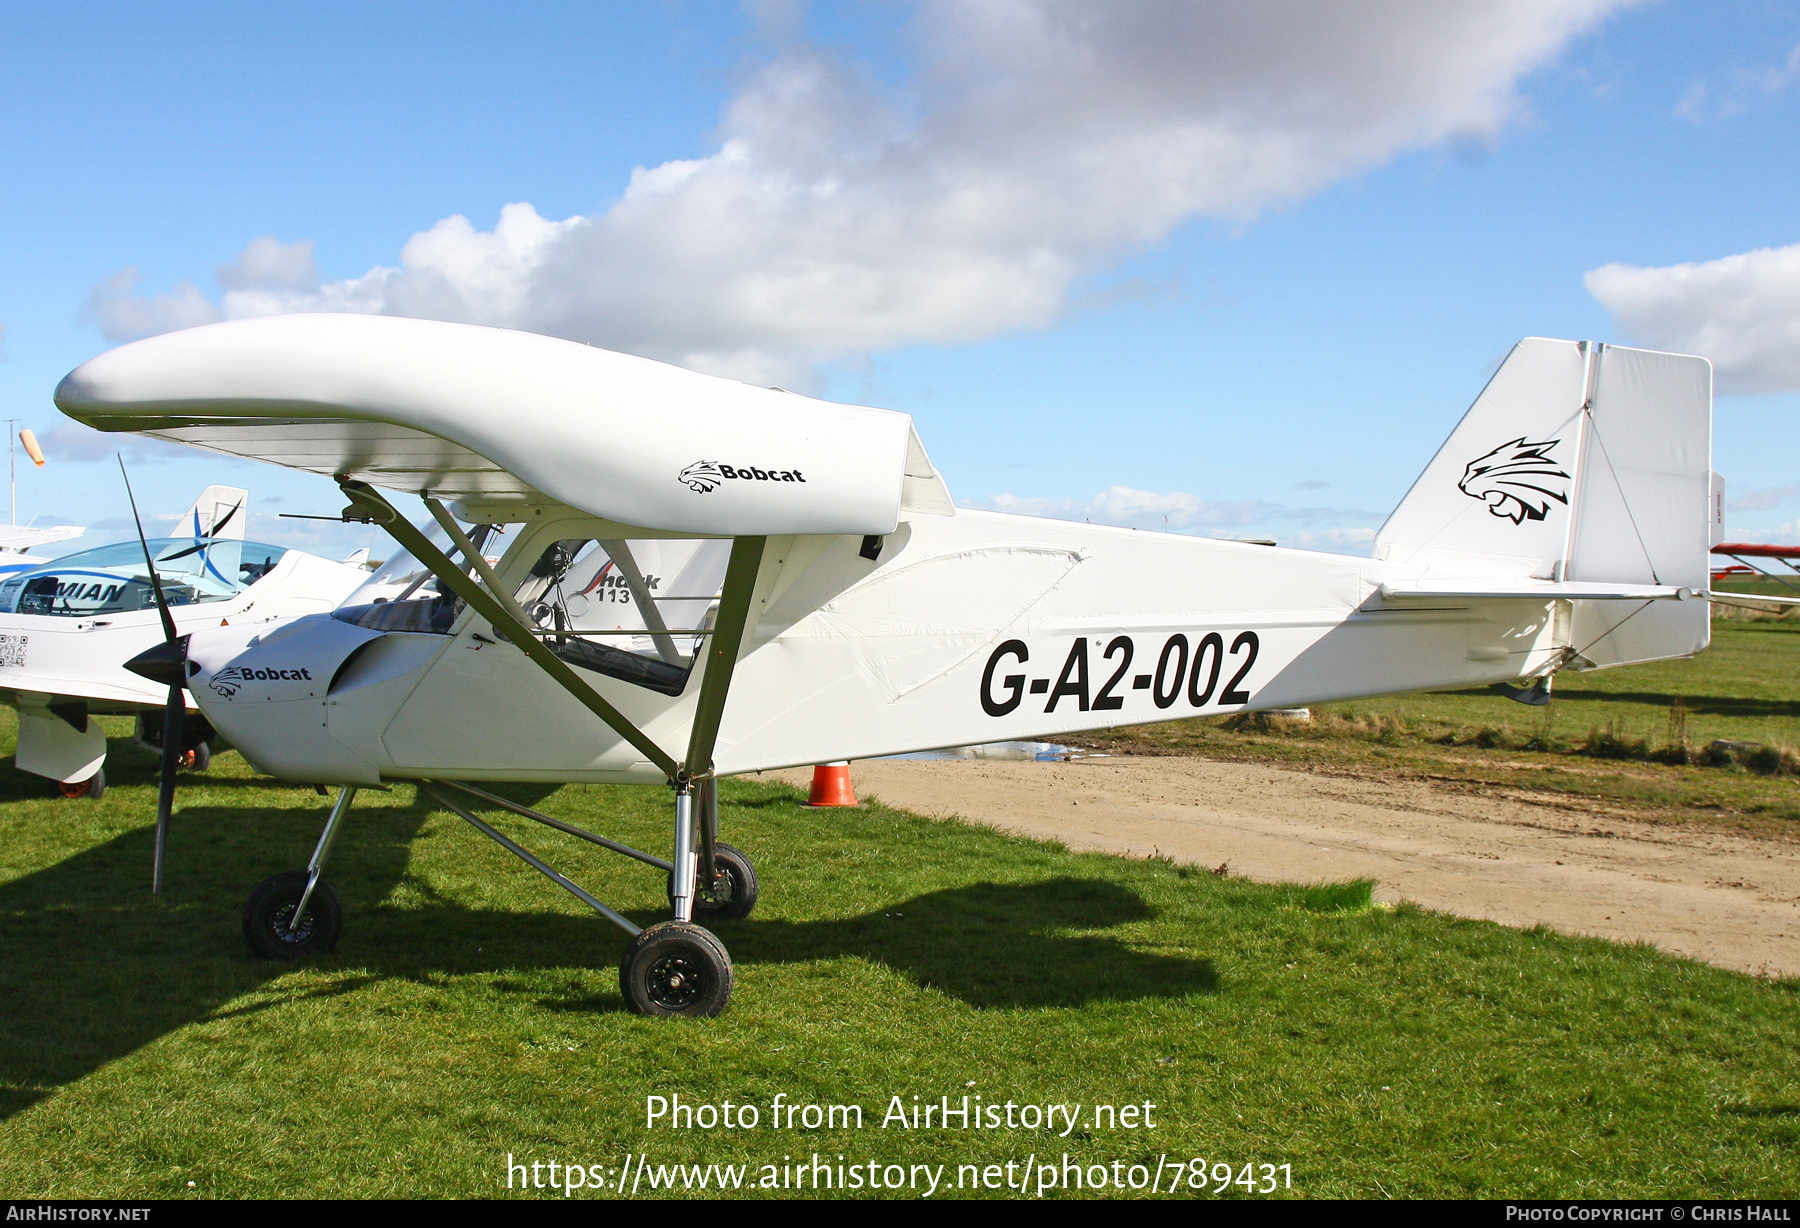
x=1751, y=601
x=1539, y=590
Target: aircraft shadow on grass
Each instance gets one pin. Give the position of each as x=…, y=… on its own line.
x=97, y=968
x=1697, y=705
x=1004, y=945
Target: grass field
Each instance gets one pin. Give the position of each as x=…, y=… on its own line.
x=1600, y=736
x=473, y=1011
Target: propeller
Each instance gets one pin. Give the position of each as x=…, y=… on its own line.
x=165, y=663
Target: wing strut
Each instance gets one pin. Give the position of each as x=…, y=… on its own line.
x=626, y=562
x=722, y=651
x=505, y=623
x=693, y=974
x=700, y=865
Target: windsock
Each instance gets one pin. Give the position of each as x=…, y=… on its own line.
x=31, y=448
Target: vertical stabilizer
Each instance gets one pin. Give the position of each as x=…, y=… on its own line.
x=1495, y=500
x=1578, y=462
x=219, y=513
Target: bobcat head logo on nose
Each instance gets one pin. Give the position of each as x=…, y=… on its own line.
x=227, y=681
x=701, y=477
x=1517, y=480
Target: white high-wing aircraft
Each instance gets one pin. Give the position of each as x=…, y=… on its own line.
x=67, y=626
x=16, y=539
x=707, y=578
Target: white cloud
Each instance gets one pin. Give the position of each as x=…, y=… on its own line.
x=1315, y=528
x=1040, y=141
x=269, y=264
x=1338, y=541
x=122, y=314
x=1761, y=500
x=1743, y=312
x=1746, y=88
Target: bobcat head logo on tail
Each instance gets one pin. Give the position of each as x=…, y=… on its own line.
x=701, y=477
x=1517, y=480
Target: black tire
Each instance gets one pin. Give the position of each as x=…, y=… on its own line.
x=202, y=758
x=93, y=788
x=271, y=906
x=732, y=899
x=676, y=968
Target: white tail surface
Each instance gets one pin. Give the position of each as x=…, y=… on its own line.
x=1578, y=462
x=219, y=512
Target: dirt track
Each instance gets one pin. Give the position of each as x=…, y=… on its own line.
x=1728, y=899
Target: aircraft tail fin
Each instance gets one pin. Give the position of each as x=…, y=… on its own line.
x=218, y=513
x=1578, y=462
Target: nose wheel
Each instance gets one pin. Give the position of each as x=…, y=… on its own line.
x=676, y=968
x=270, y=925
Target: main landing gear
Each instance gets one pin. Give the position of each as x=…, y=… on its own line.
x=93, y=788
x=671, y=968
x=196, y=756
x=676, y=968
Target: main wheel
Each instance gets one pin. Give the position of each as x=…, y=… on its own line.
x=197, y=759
x=93, y=787
x=676, y=968
x=270, y=910
x=734, y=894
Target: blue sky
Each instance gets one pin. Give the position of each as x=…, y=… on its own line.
x=1267, y=336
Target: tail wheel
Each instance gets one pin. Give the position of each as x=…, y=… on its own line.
x=94, y=786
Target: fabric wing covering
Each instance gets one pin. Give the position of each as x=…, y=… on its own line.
x=490, y=417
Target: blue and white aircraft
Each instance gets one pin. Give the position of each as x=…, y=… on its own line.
x=67, y=624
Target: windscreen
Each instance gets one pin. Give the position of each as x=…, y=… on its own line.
x=402, y=595
x=638, y=610
x=113, y=579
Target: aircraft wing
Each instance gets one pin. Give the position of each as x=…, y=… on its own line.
x=24, y=537
x=493, y=418
x=1757, y=550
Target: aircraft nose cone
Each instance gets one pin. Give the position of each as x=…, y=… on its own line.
x=166, y=663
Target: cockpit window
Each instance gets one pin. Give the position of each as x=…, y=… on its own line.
x=402, y=595
x=113, y=579
x=638, y=610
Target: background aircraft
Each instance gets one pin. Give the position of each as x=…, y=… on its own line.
x=68, y=624
x=16, y=539
x=683, y=540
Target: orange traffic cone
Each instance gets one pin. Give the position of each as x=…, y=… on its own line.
x=831, y=785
